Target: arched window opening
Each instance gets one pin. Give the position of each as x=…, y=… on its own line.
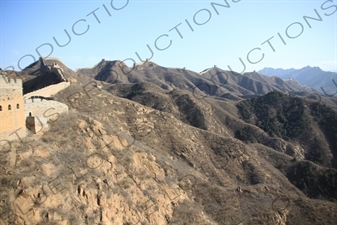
x=0, y=108
x=30, y=114
x=9, y=107
x=17, y=106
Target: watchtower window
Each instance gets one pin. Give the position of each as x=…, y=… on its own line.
x=30, y=114
x=9, y=107
x=17, y=106
x=0, y=108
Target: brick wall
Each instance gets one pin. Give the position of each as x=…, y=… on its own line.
x=48, y=91
x=12, y=115
x=43, y=108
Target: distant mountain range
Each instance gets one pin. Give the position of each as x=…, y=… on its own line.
x=213, y=81
x=313, y=77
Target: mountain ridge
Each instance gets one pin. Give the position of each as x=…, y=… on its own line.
x=313, y=77
x=167, y=146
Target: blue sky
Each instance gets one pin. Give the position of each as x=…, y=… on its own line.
x=219, y=39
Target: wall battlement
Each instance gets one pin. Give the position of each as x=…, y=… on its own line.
x=48, y=91
x=32, y=100
x=59, y=72
x=6, y=82
x=55, y=68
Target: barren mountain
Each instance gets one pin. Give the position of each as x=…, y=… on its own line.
x=156, y=145
x=214, y=81
x=311, y=76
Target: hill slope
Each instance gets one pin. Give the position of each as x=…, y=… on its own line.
x=214, y=81
x=140, y=152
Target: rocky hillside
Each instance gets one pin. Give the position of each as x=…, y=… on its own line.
x=310, y=129
x=213, y=81
x=154, y=147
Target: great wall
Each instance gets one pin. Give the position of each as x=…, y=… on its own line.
x=20, y=113
x=48, y=91
x=11, y=108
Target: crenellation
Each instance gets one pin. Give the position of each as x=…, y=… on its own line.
x=4, y=79
x=9, y=83
x=32, y=100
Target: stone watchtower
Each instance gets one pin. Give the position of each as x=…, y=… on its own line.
x=12, y=114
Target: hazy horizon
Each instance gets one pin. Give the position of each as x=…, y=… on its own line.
x=195, y=35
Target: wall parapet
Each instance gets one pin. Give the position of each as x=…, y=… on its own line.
x=6, y=82
x=35, y=100
x=48, y=91
x=46, y=109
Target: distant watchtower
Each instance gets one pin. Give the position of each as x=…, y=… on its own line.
x=12, y=114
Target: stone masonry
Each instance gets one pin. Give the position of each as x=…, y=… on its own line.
x=12, y=115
